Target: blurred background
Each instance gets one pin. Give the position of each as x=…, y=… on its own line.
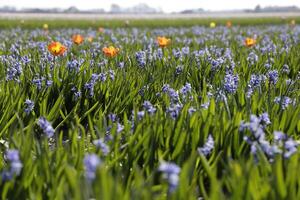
x=147, y=9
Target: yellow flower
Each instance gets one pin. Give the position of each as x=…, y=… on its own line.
x=163, y=41
x=249, y=42
x=56, y=48
x=293, y=23
x=127, y=23
x=90, y=39
x=45, y=26
x=212, y=25
x=77, y=39
x=110, y=51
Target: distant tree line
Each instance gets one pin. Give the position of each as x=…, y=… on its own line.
x=139, y=8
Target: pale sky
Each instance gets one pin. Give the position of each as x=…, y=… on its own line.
x=166, y=5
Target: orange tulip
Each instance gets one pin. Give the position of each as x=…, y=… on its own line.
x=100, y=29
x=229, y=24
x=77, y=39
x=163, y=41
x=56, y=48
x=110, y=51
x=249, y=42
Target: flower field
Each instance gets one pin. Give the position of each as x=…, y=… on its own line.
x=135, y=112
